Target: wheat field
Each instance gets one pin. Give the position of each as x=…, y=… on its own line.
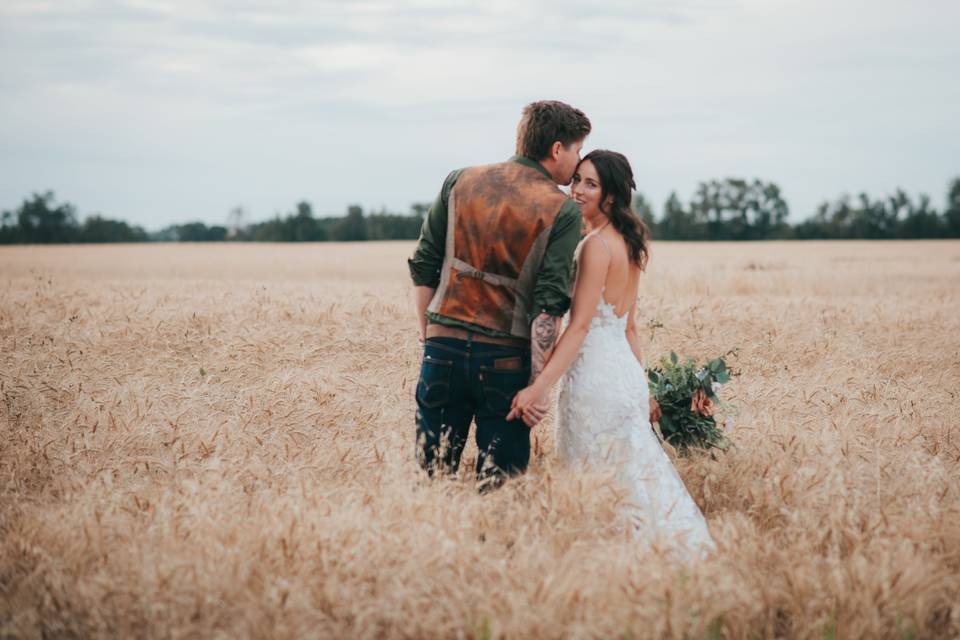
x=217, y=441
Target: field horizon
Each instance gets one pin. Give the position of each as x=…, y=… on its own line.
x=216, y=440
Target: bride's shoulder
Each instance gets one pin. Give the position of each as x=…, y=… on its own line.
x=596, y=238
x=587, y=239
x=594, y=250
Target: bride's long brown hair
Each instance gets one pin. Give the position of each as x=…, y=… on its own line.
x=616, y=181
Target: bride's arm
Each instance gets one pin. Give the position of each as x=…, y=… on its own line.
x=632, y=330
x=594, y=262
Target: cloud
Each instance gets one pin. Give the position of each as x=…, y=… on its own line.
x=211, y=103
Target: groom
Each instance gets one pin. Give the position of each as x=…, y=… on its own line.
x=492, y=276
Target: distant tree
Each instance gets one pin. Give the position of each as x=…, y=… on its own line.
x=706, y=210
x=8, y=228
x=679, y=223
x=841, y=220
x=198, y=232
x=896, y=216
x=816, y=226
x=266, y=231
x=391, y=226
x=643, y=209
x=303, y=226
x=352, y=227
x=298, y=226
x=734, y=209
x=167, y=234
x=99, y=229
x=769, y=211
x=952, y=211
x=40, y=220
x=870, y=219
x=921, y=221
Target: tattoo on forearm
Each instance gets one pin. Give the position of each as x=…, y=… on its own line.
x=544, y=337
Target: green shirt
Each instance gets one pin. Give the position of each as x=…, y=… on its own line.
x=551, y=292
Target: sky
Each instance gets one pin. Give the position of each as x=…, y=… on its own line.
x=167, y=111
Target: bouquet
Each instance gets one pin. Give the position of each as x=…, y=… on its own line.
x=687, y=394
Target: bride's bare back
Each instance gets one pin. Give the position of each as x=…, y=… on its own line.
x=622, y=280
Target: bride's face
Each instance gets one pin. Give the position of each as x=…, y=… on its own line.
x=585, y=189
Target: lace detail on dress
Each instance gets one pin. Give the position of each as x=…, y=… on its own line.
x=603, y=422
x=606, y=316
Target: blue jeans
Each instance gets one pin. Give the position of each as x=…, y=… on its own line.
x=464, y=380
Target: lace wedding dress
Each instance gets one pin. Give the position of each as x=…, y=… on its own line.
x=603, y=422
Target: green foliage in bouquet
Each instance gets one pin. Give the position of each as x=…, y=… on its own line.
x=687, y=395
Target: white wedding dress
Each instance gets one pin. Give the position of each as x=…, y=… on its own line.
x=603, y=422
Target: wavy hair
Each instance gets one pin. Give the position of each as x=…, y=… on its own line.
x=546, y=122
x=616, y=180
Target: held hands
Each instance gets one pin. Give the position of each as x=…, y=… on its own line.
x=531, y=404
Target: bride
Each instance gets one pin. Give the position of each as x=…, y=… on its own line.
x=604, y=400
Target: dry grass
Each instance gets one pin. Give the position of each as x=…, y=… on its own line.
x=217, y=441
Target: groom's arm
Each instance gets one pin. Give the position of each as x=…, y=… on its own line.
x=422, y=295
x=428, y=256
x=543, y=337
x=551, y=296
x=551, y=292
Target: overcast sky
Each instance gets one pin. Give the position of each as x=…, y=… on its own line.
x=163, y=111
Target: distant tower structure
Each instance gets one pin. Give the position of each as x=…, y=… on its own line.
x=236, y=221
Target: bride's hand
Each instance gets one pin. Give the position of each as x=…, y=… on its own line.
x=531, y=404
x=655, y=411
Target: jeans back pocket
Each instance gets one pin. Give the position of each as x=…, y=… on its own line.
x=433, y=387
x=500, y=386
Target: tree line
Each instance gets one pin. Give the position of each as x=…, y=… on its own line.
x=730, y=209
x=40, y=219
x=735, y=209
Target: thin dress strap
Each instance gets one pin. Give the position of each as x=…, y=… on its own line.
x=605, y=245
x=606, y=248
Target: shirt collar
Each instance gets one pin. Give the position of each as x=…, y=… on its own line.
x=527, y=161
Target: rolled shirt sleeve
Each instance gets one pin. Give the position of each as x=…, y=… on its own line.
x=428, y=256
x=553, y=287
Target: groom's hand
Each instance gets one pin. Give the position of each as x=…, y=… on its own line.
x=534, y=414
x=530, y=404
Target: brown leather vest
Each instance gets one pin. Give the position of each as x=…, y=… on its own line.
x=499, y=218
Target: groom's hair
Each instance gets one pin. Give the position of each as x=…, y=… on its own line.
x=548, y=121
